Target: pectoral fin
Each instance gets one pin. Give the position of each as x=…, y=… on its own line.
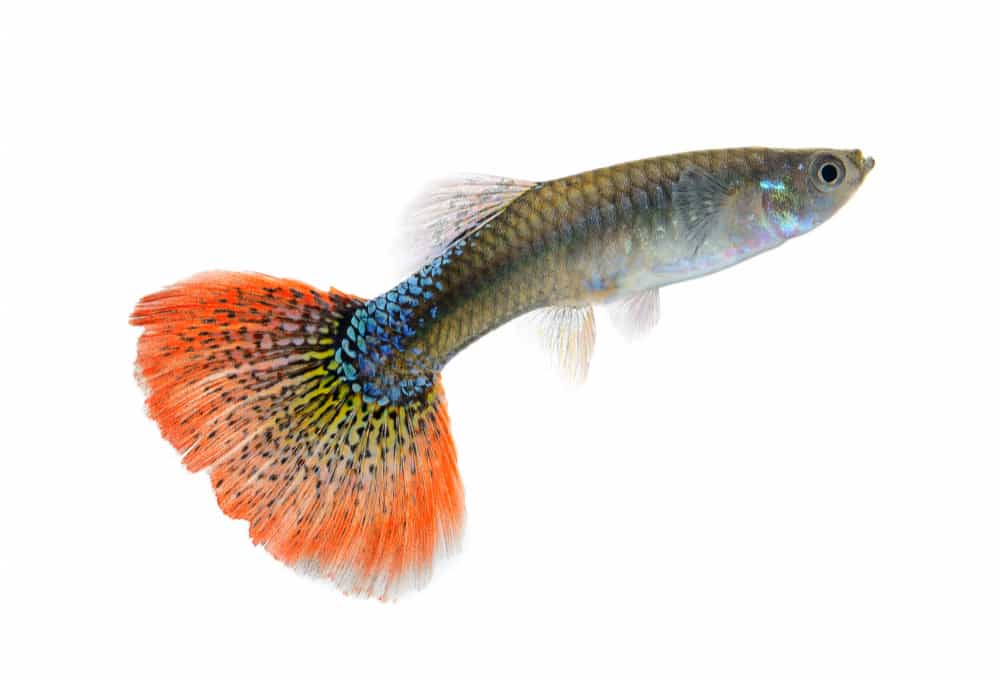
x=698, y=198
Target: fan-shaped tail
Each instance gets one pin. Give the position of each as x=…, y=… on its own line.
x=241, y=376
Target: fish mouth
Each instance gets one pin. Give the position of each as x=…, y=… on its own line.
x=863, y=163
x=867, y=166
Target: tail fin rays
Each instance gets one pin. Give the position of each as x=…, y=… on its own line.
x=241, y=377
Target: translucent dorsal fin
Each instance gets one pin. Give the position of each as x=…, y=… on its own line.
x=453, y=208
x=636, y=314
x=568, y=334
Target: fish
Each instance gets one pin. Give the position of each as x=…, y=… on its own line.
x=320, y=416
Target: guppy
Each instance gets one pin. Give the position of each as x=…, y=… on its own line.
x=320, y=416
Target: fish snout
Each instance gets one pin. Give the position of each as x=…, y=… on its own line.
x=863, y=162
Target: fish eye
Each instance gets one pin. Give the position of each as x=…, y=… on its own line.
x=828, y=172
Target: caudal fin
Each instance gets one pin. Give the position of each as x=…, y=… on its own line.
x=241, y=376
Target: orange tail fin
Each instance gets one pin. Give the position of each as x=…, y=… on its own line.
x=242, y=379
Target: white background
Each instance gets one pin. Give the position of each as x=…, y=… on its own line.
x=795, y=476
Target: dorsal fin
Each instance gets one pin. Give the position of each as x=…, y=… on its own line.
x=453, y=208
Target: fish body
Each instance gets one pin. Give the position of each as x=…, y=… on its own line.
x=608, y=235
x=321, y=415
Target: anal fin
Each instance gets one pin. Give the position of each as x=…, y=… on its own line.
x=568, y=333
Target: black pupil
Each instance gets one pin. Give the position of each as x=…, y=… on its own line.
x=829, y=173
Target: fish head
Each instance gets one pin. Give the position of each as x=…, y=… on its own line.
x=801, y=189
